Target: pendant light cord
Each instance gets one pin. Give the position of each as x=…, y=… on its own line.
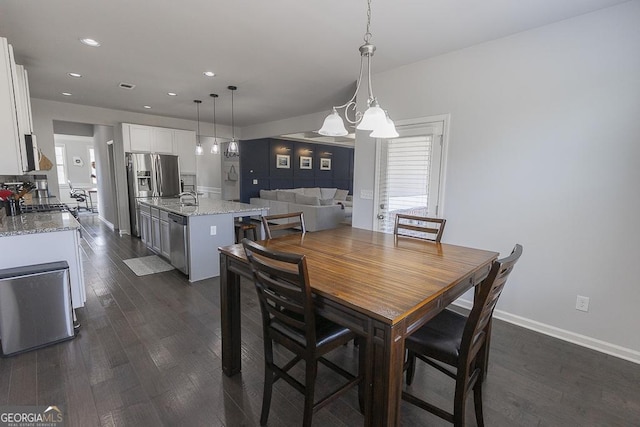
x=367, y=35
x=215, y=133
x=233, y=123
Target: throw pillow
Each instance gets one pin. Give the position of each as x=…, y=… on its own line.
x=328, y=193
x=286, y=196
x=268, y=195
x=327, y=202
x=301, y=199
x=341, y=195
x=312, y=191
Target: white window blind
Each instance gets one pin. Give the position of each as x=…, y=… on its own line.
x=404, y=185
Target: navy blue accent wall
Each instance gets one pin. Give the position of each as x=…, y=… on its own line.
x=258, y=160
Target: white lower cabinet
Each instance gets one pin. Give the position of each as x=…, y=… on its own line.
x=165, y=248
x=155, y=234
x=154, y=230
x=145, y=227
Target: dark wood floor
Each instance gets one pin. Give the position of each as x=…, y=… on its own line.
x=149, y=354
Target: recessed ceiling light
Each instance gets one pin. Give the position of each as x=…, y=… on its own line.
x=172, y=94
x=148, y=107
x=90, y=42
x=209, y=73
x=74, y=75
x=66, y=93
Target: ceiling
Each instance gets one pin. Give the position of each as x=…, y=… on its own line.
x=287, y=57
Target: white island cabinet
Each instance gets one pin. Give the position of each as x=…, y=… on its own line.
x=37, y=238
x=210, y=225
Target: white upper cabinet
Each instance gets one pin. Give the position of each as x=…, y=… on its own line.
x=151, y=139
x=185, y=141
x=15, y=116
x=162, y=141
x=147, y=139
x=136, y=138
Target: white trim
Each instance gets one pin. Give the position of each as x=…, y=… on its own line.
x=111, y=226
x=563, y=334
x=214, y=193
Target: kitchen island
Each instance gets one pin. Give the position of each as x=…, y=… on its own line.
x=36, y=238
x=208, y=225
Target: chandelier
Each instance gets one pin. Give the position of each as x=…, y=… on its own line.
x=374, y=118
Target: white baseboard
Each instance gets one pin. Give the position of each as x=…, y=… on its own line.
x=572, y=337
x=111, y=226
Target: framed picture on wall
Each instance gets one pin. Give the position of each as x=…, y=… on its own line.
x=325, y=164
x=282, y=161
x=306, y=162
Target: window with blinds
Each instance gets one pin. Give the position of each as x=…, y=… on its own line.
x=403, y=183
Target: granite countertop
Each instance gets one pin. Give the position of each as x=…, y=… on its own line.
x=205, y=206
x=37, y=222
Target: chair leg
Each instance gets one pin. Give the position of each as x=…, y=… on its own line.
x=477, y=402
x=268, y=383
x=459, y=406
x=309, y=388
x=411, y=366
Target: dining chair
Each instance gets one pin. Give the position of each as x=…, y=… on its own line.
x=288, y=221
x=79, y=194
x=459, y=342
x=242, y=228
x=420, y=227
x=289, y=319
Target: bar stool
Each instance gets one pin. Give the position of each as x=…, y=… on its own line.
x=242, y=228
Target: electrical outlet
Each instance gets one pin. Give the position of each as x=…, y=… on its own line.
x=582, y=303
x=214, y=230
x=255, y=181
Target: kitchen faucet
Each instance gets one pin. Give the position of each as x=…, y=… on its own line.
x=189, y=193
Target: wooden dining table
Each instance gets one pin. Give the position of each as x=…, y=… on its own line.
x=383, y=287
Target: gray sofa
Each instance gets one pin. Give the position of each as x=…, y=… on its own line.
x=323, y=208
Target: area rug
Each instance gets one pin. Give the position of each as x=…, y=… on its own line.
x=147, y=265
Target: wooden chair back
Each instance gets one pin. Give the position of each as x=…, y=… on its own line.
x=477, y=328
x=292, y=221
x=282, y=282
x=419, y=227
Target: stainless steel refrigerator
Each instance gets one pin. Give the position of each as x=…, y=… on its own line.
x=150, y=175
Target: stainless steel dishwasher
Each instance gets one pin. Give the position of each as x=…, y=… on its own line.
x=35, y=307
x=179, y=242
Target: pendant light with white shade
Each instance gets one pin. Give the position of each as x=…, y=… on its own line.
x=199, y=149
x=374, y=118
x=215, y=148
x=233, y=144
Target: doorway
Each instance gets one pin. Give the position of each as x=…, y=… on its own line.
x=410, y=177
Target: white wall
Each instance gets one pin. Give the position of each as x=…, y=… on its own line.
x=543, y=151
x=76, y=147
x=106, y=188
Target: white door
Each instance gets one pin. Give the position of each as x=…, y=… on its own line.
x=410, y=173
